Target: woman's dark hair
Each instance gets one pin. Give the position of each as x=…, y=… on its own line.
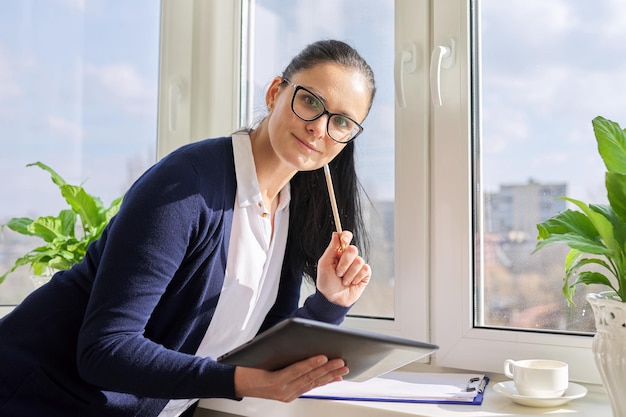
x=335, y=52
x=311, y=219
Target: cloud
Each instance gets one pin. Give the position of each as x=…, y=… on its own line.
x=9, y=87
x=123, y=83
x=548, y=69
x=64, y=128
x=536, y=21
x=504, y=128
x=557, y=90
x=74, y=4
x=554, y=158
x=613, y=23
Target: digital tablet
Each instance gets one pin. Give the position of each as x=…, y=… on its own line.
x=366, y=354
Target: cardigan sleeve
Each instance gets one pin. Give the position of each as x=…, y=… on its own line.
x=148, y=242
x=317, y=307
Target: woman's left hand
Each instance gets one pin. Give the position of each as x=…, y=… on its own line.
x=342, y=275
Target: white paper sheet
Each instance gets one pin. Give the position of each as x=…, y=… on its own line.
x=433, y=387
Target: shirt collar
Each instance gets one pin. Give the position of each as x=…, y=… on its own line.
x=248, y=190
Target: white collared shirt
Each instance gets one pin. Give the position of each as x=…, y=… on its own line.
x=253, y=267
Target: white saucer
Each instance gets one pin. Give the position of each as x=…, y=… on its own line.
x=508, y=389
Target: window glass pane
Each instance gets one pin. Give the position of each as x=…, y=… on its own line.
x=282, y=29
x=547, y=69
x=78, y=91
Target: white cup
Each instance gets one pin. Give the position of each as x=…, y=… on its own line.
x=539, y=378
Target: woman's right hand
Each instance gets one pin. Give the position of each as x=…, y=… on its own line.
x=288, y=383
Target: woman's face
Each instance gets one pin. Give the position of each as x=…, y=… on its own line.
x=306, y=146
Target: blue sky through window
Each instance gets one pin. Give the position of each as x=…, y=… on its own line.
x=78, y=91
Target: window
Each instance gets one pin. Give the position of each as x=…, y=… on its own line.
x=281, y=30
x=204, y=100
x=515, y=133
x=536, y=144
x=78, y=92
x=436, y=148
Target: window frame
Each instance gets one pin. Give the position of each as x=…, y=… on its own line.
x=187, y=72
x=197, y=98
x=411, y=155
x=434, y=296
x=434, y=246
x=461, y=344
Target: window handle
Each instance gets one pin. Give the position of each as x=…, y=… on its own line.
x=405, y=62
x=442, y=57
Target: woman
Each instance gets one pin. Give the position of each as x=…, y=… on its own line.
x=208, y=248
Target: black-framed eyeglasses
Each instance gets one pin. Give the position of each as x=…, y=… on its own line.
x=308, y=107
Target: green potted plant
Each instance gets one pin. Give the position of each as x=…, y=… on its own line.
x=596, y=236
x=66, y=235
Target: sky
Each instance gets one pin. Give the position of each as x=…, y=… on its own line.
x=549, y=68
x=78, y=89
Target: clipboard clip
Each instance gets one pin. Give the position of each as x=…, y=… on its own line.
x=476, y=384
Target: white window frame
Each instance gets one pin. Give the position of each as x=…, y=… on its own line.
x=411, y=230
x=462, y=345
x=201, y=60
x=199, y=71
x=188, y=55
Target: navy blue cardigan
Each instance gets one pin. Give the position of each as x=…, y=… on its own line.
x=116, y=335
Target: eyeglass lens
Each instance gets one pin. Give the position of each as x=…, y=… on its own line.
x=308, y=107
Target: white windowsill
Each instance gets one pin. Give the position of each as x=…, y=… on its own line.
x=594, y=404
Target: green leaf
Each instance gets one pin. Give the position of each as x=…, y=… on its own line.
x=63, y=247
x=113, y=208
x=571, y=259
x=571, y=268
x=60, y=263
x=40, y=268
x=88, y=207
x=597, y=229
x=23, y=260
x=68, y=222
x=56, y=178
x=575, y=241
x=590, y=277
x=619, y=226
x=20, y=225
x=569, y=293
x=48, y=228
x=586, y=278
x=616, y=193
x=3, y=276
x=601, y=224
x=611, y=144
x=568, y=222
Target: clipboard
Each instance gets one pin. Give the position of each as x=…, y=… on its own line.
x=409, y=387
x=366, y=354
